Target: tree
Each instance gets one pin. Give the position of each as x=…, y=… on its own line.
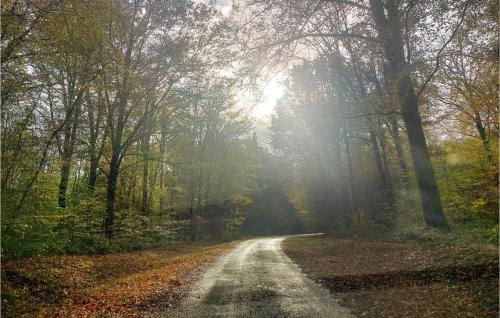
x=469, y=79
x=378, y=23
x=149, y=42
x=390, y=35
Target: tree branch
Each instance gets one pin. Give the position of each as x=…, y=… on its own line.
x=349, y=3
x=320, y=34
x=438, y=56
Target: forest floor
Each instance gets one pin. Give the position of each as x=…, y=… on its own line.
x=387, y=279
x=112, y=285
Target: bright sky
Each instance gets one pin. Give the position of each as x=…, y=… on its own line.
x=270, y=95
x=260, y=101
x=225, y=6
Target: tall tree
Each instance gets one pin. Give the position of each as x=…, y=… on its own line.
x=310, y=24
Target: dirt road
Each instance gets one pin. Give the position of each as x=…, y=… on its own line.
x=257, y=279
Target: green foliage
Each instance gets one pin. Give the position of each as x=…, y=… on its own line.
x=478, y=233
x=78, y=230
x=67, y=235
x=270, y=210
x=94, y=88
x=468, y=188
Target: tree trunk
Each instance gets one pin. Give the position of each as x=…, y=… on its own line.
x=398, y=145
x=370, y=123
x=393, y=129
x=92, y=179
x=192, y=224
x=385, y=160
x=63, y=182
x=67, y=154
x=484, y=138
x=342, y=190
x=378, y=160
x=109, y=219
x=132, y=187
x=162, y=165
x=94, y=127
x=145, y=175
x=41, y=162
x=351, y=189
x=389, y=33
x=192, y=221
x=7, y=168
x=424, y=172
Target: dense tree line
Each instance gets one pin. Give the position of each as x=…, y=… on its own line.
x=117, y=121
x=120, y=119
x=378, y=92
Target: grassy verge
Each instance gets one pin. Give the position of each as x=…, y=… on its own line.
x=388, y=279
x=121, y=284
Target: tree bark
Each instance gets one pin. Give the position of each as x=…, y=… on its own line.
x=385, y=160
x=92, y=179
x=145, y=175
x=94, y=127
x=484, y=138
x=68, y=150
x=398, y=145
x=341, y=190
x=161, y=167
x=351, y=188
x=377, y=157
x=114, y=166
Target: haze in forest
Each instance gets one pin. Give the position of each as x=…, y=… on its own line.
x=158, y=116
x=133, y=124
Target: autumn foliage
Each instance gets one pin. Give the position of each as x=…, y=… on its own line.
x=113, y=285
x=410, y=279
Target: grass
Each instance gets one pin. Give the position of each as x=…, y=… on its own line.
x=120, y=284
x=403, y=279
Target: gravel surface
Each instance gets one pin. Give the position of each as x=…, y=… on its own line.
x=257, y=279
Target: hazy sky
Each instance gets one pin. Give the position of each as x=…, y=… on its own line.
x=261, y=100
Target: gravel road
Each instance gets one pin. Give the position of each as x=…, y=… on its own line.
x=257, y=279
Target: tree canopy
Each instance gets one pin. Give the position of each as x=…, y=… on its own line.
x=125, y=123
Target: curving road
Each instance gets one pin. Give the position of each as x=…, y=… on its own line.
x=257, y=279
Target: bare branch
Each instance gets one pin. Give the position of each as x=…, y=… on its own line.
x=438, y=56
x=320, y=34
x=349, y=3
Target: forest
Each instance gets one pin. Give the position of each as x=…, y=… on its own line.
x=181, y=127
